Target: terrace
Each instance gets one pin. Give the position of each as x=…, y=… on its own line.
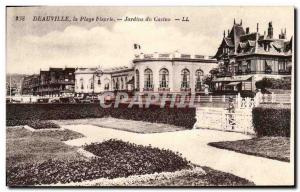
x=171, y=56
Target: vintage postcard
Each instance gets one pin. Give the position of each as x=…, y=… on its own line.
x=149, y=96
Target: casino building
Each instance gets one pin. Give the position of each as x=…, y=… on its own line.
x=171, y=72
x=157, y=72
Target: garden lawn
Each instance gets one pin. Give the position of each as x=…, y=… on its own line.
x=122, y=124
x=23, y=146
x=270, y=147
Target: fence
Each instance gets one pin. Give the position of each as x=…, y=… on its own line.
x=221, y=119
x=238, y=101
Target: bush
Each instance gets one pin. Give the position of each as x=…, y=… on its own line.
x=272, y=121
x=115, y=159
x=34, y=123
x=246, y=93
x=184, y=117
x=273, y=84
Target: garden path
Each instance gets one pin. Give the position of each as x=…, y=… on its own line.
x=192, y=144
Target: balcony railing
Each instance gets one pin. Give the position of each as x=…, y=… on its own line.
x=166, y=89
x=171, y=56
x=148, y=89
x=185, y=89
x=262, y=72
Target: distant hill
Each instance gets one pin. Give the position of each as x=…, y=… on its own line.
x=16, y=82
x=15, y=78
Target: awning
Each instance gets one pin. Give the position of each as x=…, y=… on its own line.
x=232, y=83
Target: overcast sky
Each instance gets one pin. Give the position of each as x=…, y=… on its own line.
x=33, y=45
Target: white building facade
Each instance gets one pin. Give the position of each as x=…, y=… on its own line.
x=170, y=72
x=173, y=72
x=96, y=80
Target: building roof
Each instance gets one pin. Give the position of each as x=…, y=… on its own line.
x=99, y=70
x=240, y=43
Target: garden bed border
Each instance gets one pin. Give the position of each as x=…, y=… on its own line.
x=41, y=130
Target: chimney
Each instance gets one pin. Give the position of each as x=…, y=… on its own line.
x=241, y=22
x=247, y=30
x=257, y=28
x=270, y=30
x=234, y=21
x=224, y=34
x=282, y=35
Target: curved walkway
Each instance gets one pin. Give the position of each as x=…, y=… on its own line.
x=192, y=144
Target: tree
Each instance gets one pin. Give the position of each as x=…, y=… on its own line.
x=263, y=84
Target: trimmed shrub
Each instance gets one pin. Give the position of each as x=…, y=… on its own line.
x=246, y=93
x=274, y=84
x=273, y=121
x=184, y=117
x=34, y=123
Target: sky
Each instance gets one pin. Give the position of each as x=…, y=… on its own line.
x=35, y=45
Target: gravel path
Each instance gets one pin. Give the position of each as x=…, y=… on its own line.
x=193, y=145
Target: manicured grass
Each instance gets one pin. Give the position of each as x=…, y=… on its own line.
x=23, y=146
x=270, y=147
x=123, y=124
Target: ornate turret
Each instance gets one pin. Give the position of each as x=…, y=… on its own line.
x=270, y=30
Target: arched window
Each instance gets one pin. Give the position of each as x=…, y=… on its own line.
x=81, y=84
x=148, y=78
x=137, y=77
x=163, y=78
x=185, y=78
x=199, y=77
x=91, y=83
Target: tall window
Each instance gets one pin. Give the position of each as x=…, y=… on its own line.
x=99, y=81
x=199, y=77
x=114, y=84
x=185, y=78
x=122, y=84
x=282, y=65
x=137, y=76
x=148, y=78
x=106, y=84
x=81, y=83
x=91, y=84
x=163, y=78
x=117, y=84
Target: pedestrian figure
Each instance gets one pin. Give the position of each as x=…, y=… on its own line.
x=231, y=110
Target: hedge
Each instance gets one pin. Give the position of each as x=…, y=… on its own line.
x=271, y=121
x=184, y=117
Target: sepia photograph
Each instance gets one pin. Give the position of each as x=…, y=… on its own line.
x=102, y=96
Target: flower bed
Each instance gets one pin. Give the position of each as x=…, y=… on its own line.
x=114, y=159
